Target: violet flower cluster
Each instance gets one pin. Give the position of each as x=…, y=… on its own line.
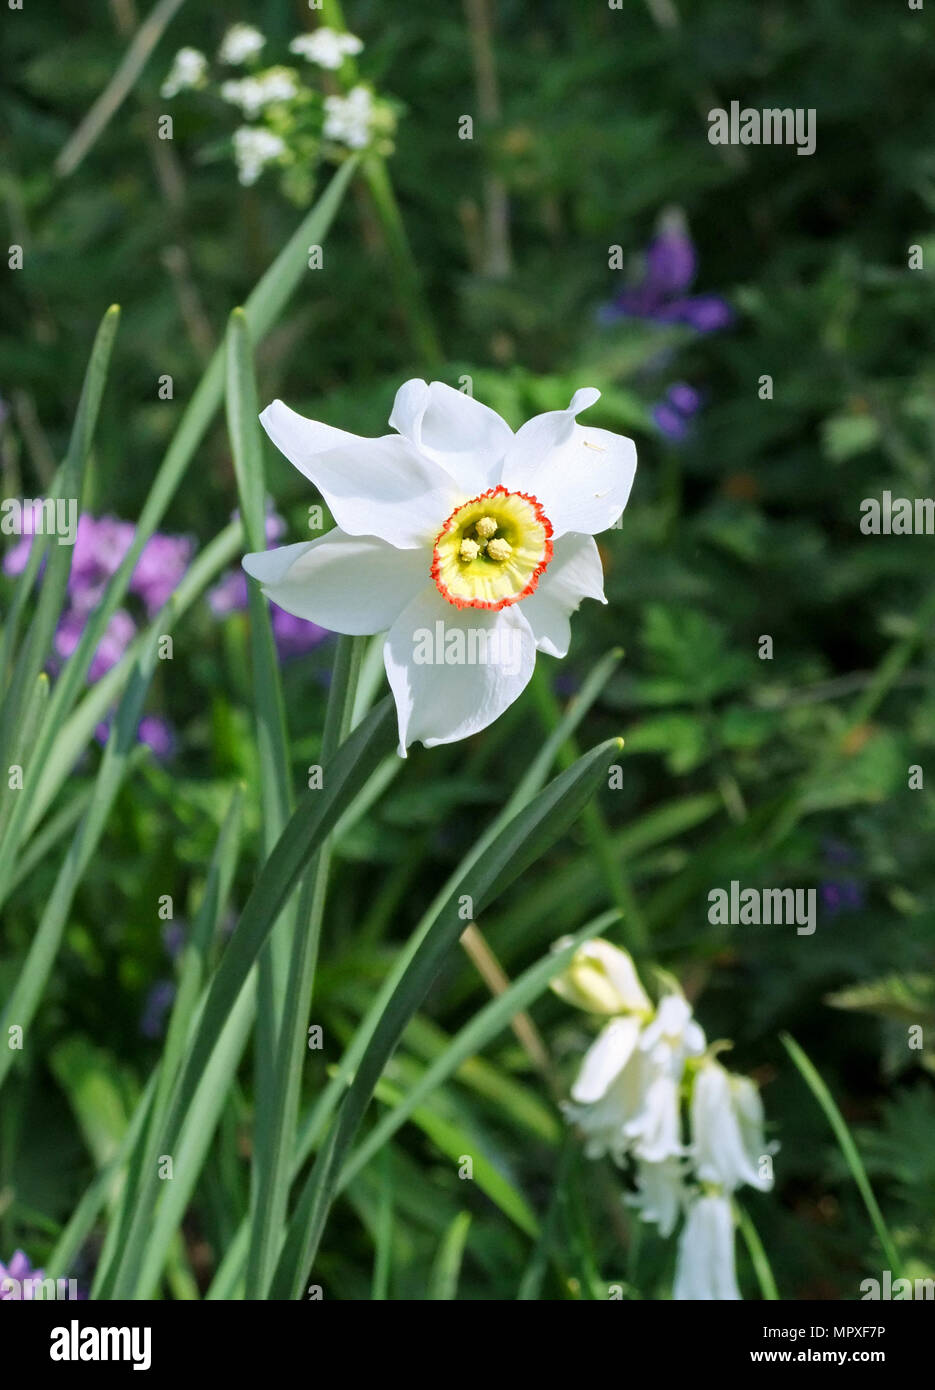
x=662, y=293
x=101, y=544
x=662, y=296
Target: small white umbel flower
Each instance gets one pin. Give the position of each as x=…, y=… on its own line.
x=241, y=43
x=326, y=47
x=465, y=620
x=188, y=70
x=704, y=1267
x=728, y=1146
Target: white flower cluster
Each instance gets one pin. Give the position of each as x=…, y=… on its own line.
x=241, y=43
x=627, y=1102
x=275, y=98
x=326, y=47
x=254, y=148
x=349, y=120
x=188, y=70
x=253, y=94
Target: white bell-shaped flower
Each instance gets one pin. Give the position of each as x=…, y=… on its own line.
x=704, y=1267
x=602, y=979
x=727, y=1141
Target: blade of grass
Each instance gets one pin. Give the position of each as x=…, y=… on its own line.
x=848, y=1148
x=456, y=1144
x=473, y=1037
x=262, y=308
x=525, y=791
x=195, y=1140
x=524, y=840
x=118, y=88
x=307, y=829
x=267, y=1202
x=24, y=999
x=38, y=643
x=446, y=1271
x=72, y=739
x=531, y=783
x=383, y=1257
x=636, y=937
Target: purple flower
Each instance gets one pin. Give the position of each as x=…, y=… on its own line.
x=160, y=569
x=295, y=636
x=673, y=416
x=21, y=1272
x=117, y=637
x=157, y=733
x=661, y=293
x=230, y=595
x=157, y=1004
x=843, y=895
x=100, y=547
x=15, y=560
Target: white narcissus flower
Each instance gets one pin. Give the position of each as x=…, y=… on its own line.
x=727, y=1129
x=704, y=1268
x=326, y=47
x=602, y=979
x=471, y=544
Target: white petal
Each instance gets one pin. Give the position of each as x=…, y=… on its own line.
x=704, y=1269
x=605, y=1059
x=467, y=438
x=352, y=584
x=491, y=656
x=374, y=487
x=581, y=476
x=574, y=573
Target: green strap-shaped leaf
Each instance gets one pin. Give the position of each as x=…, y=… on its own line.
x=522, y=842
x=38, y=644
x=311, y=823
x=262, y=308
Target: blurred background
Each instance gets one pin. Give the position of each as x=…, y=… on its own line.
x=587, y=234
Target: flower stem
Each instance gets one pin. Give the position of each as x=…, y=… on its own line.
x=405, y=270
x=615, y=875
x=283, y=1108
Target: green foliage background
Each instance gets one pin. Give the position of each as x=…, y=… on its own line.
x=734, y=767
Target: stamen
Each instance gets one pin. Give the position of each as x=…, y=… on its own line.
x=475, y=565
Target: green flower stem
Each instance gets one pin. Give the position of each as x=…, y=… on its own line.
x=405, y=270
x=269, y=1212
x=610, y=862
x=408, y=279
x=758, y=1256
